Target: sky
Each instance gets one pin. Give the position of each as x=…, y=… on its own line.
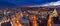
x=28, y=2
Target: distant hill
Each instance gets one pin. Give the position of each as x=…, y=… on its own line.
x=57, y=7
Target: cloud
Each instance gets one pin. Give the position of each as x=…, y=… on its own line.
x=52, y=3
x=47, y=4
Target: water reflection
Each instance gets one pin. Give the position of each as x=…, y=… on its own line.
x=6, y=24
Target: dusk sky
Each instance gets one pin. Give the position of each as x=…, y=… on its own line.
x=25, y=2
